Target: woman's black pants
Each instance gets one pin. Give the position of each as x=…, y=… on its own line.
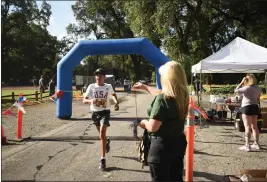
x=167, y=171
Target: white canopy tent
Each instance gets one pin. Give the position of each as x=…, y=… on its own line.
x=239, y=56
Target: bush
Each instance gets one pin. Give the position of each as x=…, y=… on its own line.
x=227, y=89
x=153, y=77
x=263, y=88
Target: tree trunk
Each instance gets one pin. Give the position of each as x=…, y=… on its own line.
x=136, y=63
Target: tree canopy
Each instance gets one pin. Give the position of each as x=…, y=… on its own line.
x=186, y=30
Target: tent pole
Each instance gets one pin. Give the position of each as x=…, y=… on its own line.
x=200, y=92
x=191, y=83
x=265, y=81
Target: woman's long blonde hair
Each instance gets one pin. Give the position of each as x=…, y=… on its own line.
x=250, y=80
x=174, y=84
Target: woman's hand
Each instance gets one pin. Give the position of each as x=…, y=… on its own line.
x=139, y=85
x=243, y=81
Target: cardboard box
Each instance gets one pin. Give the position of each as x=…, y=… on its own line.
x=264, y=119
x=257, y=175
x=264, y=109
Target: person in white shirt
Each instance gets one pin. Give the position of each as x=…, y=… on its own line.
x=98, y=96
x=42, y=86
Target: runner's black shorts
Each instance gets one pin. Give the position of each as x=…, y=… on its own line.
x=101, y=117
x=250, y=110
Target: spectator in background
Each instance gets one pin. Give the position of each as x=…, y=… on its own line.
x=42, y=87
x=250, y=110
x=52, y=86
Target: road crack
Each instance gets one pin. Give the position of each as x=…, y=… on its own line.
x=49, y=158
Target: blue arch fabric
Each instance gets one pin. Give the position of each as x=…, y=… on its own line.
x=84, y=48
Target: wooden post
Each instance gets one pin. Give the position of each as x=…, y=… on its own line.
x=13, y=97
x=265, y=81
x=36, y=95
x=3, y=137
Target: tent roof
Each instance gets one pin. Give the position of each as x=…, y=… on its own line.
x=239, y=56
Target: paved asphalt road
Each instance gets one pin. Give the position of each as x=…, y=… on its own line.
x=69, y=159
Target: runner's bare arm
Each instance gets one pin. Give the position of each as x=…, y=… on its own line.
x=88, y=101
x=115, y=99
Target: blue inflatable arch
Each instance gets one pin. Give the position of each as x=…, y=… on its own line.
x=100, y=47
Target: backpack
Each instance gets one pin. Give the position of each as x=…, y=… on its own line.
x=143, y=148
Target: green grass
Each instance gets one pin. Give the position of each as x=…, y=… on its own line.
x=17, y=92
x=25, y=92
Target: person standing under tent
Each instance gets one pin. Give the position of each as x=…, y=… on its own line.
x=98, y=96
x=198, y=87
x=167, y=115
x=250, y=110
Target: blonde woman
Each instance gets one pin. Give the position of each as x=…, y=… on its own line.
x=250, y=110
x=167, y=115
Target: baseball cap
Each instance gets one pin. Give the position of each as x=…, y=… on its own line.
x=100, y=71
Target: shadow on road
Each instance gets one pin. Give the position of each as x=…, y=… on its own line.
x=11, y=143
x=56, y=139
x=109, y=169
x=79, y=138
x=20, y=180
x=209, y=176
x=204, y=153
x=124, y=157
x=222, y=123
x=231, y=136
x=223, y=143
x=226, y=132
x=79, y=119
x=111, y=119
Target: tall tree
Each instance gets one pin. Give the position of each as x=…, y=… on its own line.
x=105, y=19
x=191, y=30
x=27, y=46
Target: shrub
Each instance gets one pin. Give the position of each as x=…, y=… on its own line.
x=227, y=89
x=263, y=88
